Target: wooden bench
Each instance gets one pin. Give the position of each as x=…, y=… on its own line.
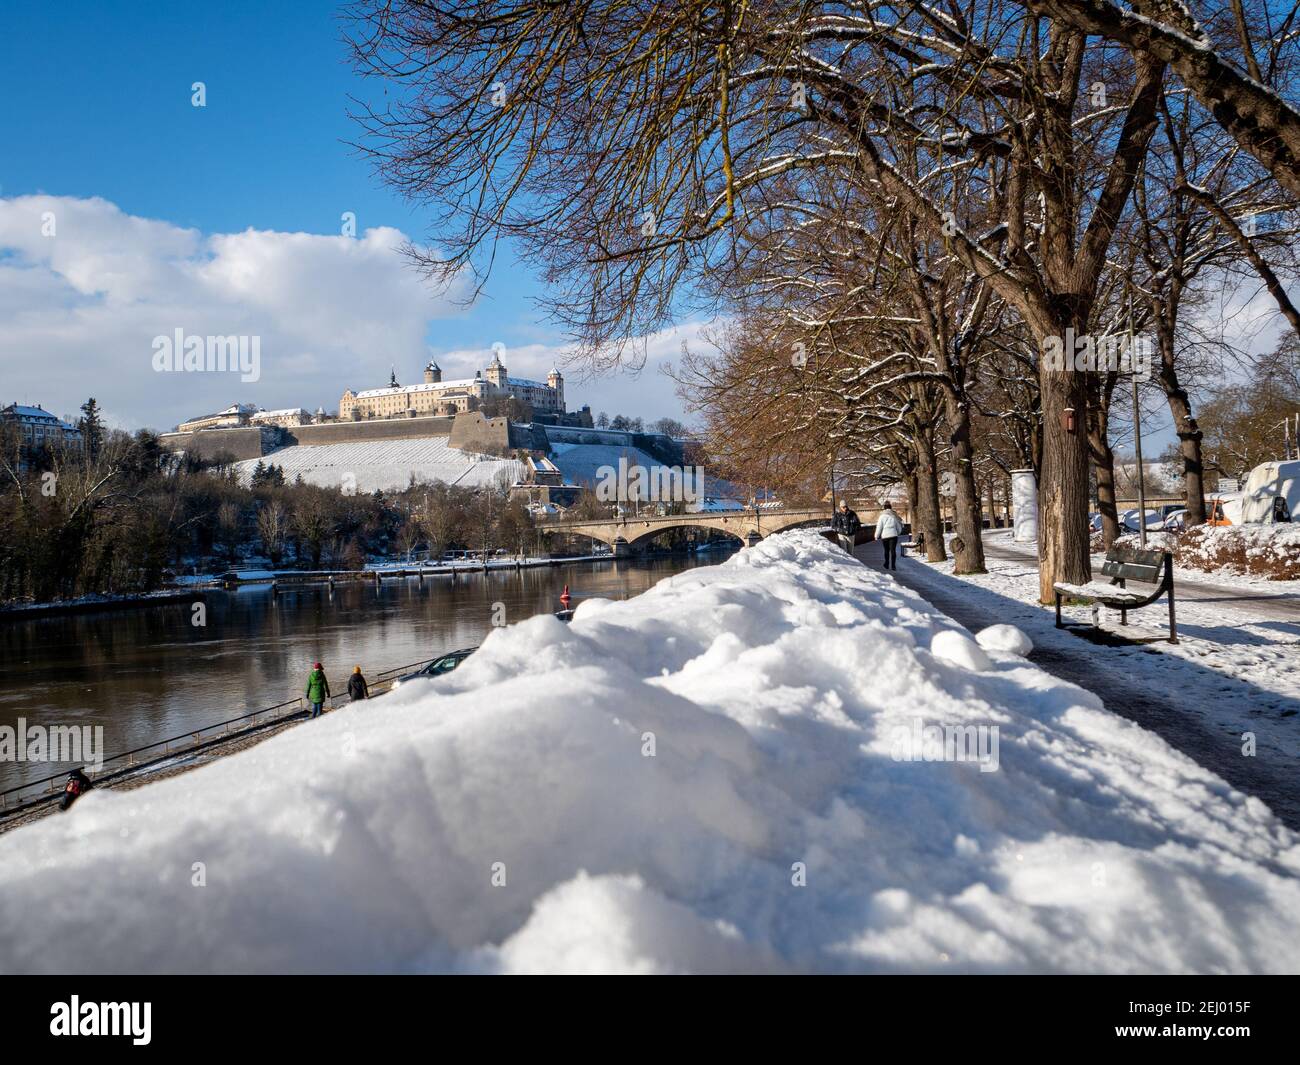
x=1125, y=564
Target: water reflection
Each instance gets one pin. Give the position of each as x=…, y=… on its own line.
x=146, y=674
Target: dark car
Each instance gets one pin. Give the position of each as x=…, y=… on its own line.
x=452, y=660
x=440, y=665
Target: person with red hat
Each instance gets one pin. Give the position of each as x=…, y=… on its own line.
x=318, y=689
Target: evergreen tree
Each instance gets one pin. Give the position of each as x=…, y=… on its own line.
x=92, y=429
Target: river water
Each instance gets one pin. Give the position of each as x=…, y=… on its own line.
x=147, y=674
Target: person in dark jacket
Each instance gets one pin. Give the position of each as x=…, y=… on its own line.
x=846, y=524
x=318, y=689
x=77, y=785
x=357, y=686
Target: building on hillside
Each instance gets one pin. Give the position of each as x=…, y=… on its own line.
x=434, y=396
x=285, y=419
x=37, y=428
x=235, y=416
x=543, y=484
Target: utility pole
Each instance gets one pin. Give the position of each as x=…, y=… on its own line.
x=1137, y=430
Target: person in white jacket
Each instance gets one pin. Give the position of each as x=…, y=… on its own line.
x=888, y=529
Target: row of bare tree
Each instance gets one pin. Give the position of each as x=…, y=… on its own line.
x=898, y=209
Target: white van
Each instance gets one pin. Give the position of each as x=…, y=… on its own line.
x=1268, y=482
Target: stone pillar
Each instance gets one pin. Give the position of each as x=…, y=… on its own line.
x=622, y=549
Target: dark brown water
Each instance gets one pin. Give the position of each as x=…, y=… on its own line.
x=148, y=674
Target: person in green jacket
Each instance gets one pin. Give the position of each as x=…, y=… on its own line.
x=318, y=689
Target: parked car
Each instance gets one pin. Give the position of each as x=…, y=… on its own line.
x=1129, y=519
x=1174, y=521
x=1223, y=509
x=440, y=665
x=1268, y=483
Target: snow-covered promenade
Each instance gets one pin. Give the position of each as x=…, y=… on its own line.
x=733, y=771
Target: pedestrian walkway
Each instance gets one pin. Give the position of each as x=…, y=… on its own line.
x=1192, y=706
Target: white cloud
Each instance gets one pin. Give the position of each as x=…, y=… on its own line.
x=81, y=308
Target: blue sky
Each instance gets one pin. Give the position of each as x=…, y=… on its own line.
x=226, y=219
x=98, y=104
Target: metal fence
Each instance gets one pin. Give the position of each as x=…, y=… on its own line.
x=35, y=792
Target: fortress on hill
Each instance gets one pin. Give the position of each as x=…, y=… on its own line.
x=438, y=397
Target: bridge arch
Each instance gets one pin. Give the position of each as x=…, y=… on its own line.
x=641, y=540
x=744, y=525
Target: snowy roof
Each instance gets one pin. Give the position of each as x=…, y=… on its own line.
x=233, y=409
x=436, y=386
x=20, y=411
x=439, y=386
x=280, y=413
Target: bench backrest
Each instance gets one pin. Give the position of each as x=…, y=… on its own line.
x=1134, y=564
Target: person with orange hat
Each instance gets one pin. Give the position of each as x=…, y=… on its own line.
x=357, y=686
x=318, y=689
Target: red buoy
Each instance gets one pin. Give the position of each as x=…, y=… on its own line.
x=564, y=597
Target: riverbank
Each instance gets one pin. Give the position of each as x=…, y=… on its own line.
x=143, y=675
x=190, y=586
x=786, y=763
x=93, y=603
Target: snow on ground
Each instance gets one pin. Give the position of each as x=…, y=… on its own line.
x=1247, y=674
x=1269, y=553
x=709, y=776
x=387, y=465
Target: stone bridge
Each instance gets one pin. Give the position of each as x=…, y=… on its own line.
x=628, y=534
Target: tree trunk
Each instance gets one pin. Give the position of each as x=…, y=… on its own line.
x=1103, y=457
x=969, y=557
x=927, y=499
x=1189, y=442
x=910, y=481
x=1063, y=548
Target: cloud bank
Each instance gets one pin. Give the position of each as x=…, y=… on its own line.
x=86, y=287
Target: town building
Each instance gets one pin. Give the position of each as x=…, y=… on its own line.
x=233, y=417
x=37, y=428
x=285, y=419
x=434, y=396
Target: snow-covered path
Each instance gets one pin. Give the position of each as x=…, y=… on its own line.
x=735, y=771
x=1232, y=673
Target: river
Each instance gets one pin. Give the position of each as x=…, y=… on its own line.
x=148, y=673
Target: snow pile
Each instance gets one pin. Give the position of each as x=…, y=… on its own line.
x=1005, y=638
x=1269, y=551
x=959, y=649
x=744, y=769
x=386, y=465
